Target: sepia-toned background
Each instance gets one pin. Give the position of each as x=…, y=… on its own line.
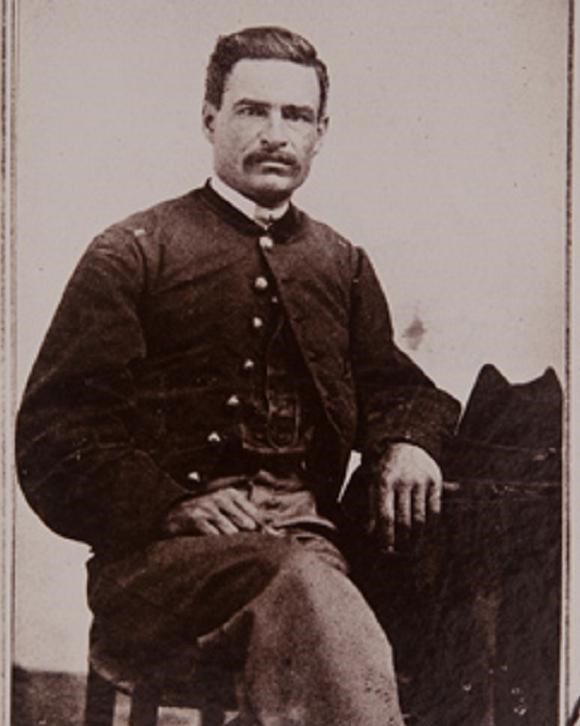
x=446, y=159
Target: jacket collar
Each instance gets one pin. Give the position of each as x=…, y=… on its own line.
x=281, y=229
x=247, y=206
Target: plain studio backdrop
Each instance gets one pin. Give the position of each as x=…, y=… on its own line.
x=445, y=159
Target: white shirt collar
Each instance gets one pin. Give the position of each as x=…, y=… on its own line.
x=247, y=206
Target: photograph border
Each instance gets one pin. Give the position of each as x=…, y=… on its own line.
x=570, y=670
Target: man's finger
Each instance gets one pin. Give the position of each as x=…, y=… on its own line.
x=239, y=516
x=249, y=508
x=210, y=513
x=434, y=497
x=223, y=523
x=386, y=512
x=404, y=507
x=204, y=527
x=419, y=505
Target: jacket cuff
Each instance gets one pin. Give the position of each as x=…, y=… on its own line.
x=427, y=420
x=112, y=505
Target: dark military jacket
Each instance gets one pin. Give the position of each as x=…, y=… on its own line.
x=153, y=337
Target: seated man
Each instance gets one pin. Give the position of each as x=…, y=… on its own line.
x=212, y=364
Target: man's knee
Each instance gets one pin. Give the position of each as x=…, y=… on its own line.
x=306, y=576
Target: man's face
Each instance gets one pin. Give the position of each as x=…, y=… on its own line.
x=267, y=130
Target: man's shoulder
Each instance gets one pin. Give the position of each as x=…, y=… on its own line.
x=168, y=212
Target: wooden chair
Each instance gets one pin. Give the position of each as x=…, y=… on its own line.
x=207, y=690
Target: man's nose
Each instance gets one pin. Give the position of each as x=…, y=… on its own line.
x=274, y=131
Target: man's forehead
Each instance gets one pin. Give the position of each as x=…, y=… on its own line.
x=273, y=81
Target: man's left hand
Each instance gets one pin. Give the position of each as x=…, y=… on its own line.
x=407, y=487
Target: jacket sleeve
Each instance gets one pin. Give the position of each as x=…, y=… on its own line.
x=78, y=464
x=396, y=400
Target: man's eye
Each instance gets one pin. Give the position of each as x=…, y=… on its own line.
x=295, y=114
x=251, y=111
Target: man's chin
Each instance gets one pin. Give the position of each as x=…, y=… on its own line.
x=272, y=192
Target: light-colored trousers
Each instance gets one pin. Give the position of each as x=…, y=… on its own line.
x=304, y=646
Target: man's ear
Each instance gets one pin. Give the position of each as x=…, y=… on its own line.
x=322, y=128
x=208, y=115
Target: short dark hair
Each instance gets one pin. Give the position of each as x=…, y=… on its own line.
x=261, y=43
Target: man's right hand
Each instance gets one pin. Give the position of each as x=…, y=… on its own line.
x=227, y=510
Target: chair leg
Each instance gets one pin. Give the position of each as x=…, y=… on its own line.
x=100, y=701
x=144, y=705
x=212, y=716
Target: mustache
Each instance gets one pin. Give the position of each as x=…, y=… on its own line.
x=278, y=157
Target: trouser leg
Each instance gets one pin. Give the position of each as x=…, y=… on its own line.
x=307, y=649
x=315, y=655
